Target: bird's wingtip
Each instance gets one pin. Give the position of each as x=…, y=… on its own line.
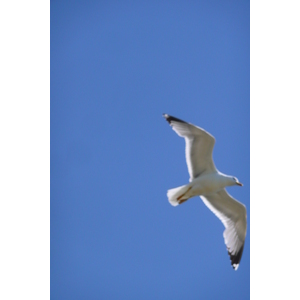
x=171, y=118
x=236, y=258
x=168, y=118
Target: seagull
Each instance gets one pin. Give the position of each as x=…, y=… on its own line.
x=208, y=183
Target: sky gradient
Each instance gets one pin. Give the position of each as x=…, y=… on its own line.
x=115, y=68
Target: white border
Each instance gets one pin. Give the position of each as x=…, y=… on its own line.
x=25, y=150
x=274, y=98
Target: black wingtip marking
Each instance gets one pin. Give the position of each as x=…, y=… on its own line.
x=170, y=119
x=236, y=258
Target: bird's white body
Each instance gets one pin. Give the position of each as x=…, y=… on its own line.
x=208, y=183
x=203, y=185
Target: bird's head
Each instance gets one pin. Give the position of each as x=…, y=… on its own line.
x=236, y=181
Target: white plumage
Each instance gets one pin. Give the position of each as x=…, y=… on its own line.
x=208, y=183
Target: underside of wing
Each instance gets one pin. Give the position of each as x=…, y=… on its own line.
x=233, y=215
x=199, y=146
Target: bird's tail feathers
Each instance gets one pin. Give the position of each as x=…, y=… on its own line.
x=178, y=195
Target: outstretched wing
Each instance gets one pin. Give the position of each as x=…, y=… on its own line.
x=198, y=148
x=234, y=217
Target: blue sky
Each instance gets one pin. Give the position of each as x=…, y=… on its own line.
x=115, y=68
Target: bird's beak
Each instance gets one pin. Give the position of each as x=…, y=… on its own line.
x=240, y=184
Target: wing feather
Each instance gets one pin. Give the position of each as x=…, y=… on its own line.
x=233, y=216
x=198, y=149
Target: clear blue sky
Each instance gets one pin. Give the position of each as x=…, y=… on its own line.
x=116, y=66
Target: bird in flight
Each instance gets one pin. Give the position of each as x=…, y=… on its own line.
x=208, y=183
